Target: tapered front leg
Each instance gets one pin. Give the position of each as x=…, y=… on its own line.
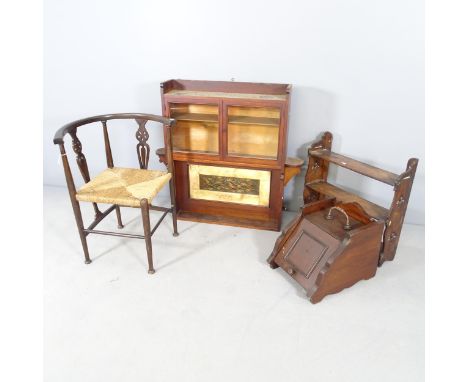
x=79, y=224
x=119, y=217
x=147, y=230
x=174, y=207
x=75, y=204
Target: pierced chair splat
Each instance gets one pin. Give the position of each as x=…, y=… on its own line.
x=118, y=186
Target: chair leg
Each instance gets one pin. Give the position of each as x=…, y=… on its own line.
x=147, y=230
x=174, y=207
x=119, y=217
x=79, y=223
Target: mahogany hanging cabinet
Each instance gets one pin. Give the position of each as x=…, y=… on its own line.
x=230, y=142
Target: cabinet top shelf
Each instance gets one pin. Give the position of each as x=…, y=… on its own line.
x=356, y=166
x=226, y=89
x=212, y=94
x=196, y=117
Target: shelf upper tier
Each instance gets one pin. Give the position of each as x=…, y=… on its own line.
x=246, y=120
x=226, y=89
x=356, y=166
x=341, y=195
x=195, y=117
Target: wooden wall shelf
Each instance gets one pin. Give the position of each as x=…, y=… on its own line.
x=317, y=187
x=340, y=238
x=239, y=130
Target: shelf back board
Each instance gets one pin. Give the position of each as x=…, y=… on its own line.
x=226, y=87
x=253, y=140
x=195, y=136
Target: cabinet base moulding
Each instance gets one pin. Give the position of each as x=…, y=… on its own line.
x=269, y=225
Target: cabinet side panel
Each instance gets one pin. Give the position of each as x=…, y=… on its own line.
x=358, y=261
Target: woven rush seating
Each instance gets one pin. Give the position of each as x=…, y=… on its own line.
x=123, y=186
x=119, y=186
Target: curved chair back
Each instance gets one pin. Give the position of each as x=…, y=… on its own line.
x=142, y=147
x=142, y=135
x=143, y=152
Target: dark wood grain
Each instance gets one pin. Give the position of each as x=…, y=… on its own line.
x=143, y=151
x=69, y=127
x=82, y=164
x=317, y=169
x=321, y=255
x=175, y=94
x=324, y=188
x=357, y=261
x=356, y=166
x=147, y=233
x=395, y=220
x=143, y=148
x=222, y=86
x=75, y=205
x=316, y=186
x=109, y=157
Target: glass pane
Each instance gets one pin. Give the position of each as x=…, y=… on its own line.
x=253, y=131
x=196, y=129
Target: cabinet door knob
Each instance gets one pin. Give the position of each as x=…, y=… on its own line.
x=291, y=271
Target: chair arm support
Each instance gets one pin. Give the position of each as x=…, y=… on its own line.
x=66, y=129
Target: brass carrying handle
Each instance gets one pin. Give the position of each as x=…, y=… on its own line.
x=329, y=216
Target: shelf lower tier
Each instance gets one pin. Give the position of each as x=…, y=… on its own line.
x=341, y=195
x=235, y=119
x=230, y=221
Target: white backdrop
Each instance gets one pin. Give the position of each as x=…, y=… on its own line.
x=357, y=69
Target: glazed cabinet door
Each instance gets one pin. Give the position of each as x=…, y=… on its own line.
x=252, y=131
x=197, y=127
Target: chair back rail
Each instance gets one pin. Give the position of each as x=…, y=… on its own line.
x=109, y=158
x=142, y=147
x=64, y=130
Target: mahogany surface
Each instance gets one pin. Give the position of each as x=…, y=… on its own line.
x=328, y=189
x=357, y=166
x=143, y=153
x=321, y=255
x=226, y=94
x=316, y=187
x=325, y=256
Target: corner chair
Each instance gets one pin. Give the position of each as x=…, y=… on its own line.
x=117, y=186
